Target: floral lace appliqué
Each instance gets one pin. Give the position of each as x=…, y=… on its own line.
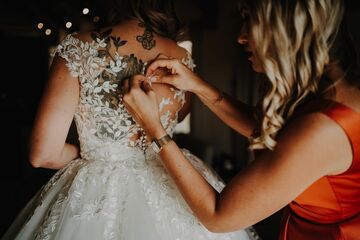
x=100, y=111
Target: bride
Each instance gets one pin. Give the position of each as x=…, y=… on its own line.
x=113, y=187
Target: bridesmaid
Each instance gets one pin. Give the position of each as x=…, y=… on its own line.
x=306, y=134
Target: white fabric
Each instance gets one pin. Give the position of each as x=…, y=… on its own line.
x=115, y=190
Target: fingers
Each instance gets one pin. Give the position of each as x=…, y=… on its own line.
x=146, y=87
x=134, y=86
x=158, y=57
x=136, y=81
x=171, y=64
x=125, y=87
x=131, y=86
x=168, y=79
x=162, y=56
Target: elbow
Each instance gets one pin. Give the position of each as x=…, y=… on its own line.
x=40, y=161
x=35, y=164
x=215, y=227
x=36, y=161
x=213, y=224
x=219, y=225
x=42, y=153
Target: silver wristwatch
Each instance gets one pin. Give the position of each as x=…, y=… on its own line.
x=157, y=144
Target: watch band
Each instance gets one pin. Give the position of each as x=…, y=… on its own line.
x=157, y=144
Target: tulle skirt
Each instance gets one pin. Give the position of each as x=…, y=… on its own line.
x=123, y=196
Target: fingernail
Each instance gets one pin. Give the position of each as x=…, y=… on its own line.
x=152, y=78
x=149, y=82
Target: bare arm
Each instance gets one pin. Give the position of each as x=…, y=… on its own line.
x=185, y=110
x=309, y=148
x=235, y=114
x=238, y=116
x=48, y=148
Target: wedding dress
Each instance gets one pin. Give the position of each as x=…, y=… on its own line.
x=118, y=188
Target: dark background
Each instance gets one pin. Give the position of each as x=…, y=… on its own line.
x=213, y=28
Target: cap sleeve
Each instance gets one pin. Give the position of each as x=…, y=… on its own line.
x=70, y=49
x=187, y=60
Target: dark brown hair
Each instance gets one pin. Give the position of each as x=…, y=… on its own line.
x=157, y=15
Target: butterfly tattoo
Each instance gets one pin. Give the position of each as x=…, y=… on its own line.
x=147, y=39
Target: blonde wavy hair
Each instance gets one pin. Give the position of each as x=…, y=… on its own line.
x=292, y=41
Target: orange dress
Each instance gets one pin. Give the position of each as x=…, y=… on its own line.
x=330, y=208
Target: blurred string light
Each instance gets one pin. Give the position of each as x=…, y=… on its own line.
x=85, y=11
x=40, y=25
x=96, y=19
x=68, y=25
x=48, y=31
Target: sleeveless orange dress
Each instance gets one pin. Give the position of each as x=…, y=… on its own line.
x=330, y=208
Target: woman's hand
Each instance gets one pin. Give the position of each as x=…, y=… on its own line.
x=140, y=100
x=236, y=115
x=180, y=75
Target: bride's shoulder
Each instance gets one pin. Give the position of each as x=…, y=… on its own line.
x=87, y=37
x=185, y=54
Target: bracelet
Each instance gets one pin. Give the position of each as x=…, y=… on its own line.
x=158, y=144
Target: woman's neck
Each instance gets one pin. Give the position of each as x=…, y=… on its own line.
x=341, y=90
x=337, y=78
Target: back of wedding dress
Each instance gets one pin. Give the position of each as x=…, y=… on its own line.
x=101, y=65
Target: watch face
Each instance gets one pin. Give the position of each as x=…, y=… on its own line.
x=155, y=146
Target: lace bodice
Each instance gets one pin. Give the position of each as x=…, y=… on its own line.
x=101, y=118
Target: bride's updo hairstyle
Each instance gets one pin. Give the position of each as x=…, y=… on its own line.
x=158, y=15
x=294, y=41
